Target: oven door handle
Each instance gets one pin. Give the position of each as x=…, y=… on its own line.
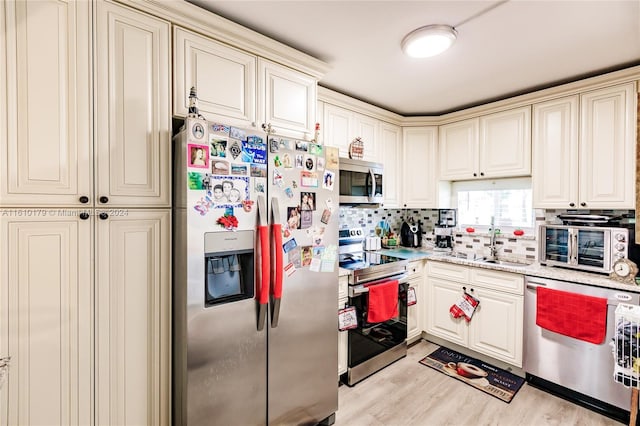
x=532, y=285
x=357, y=290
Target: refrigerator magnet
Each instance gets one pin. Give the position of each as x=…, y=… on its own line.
x=315, y=264
x=289, y=269
x=198, y=156
x=236, y=133
x=307, y=200
x=277, y=178
x=293, y=218
x=332, y=154
x=289, y=245
x=276, y=161
x=289, y=192
x=256, y=150
x=328, y=266
x=294, y=257
x=217, y=147
x=306, y=255
x=294, y=184
x=239, y=169
x=286, y=233
x=320, y=163
x=258, y=170
x=309, y=179
x=326, y=216
x=306, y=219
x=234, y=149
x=309, y=162
x=328, y=179
x=299, y=161
x=315, y=149
x=274, y=145
x=302, y=146
x=287, y=162
x=218, y=128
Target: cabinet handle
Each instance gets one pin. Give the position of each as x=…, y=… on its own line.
x=103, y=216
x=84, y=199
x=103, y=199
x=583, y=204
x=572, y=204
x=481, y=173
x=84, y=215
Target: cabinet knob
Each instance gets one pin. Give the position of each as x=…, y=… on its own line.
x=572, y=204
x=583, y=204
x=464, y=288
x=103, y=199
x=84, y=215
x=103, y=216
x=475, y=174
x=84, y=199
x=481, y=173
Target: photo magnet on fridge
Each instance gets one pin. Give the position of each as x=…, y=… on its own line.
x=218, y=146
x=274, y=145
x=294, y=257
x=315, y=149
x=198, y=156
x=331, y=157
x=293, y=218
x=302, y=146
x=328, y=179
x=309, y=179
x=306, y=255
x=289, y=245
x=307, y=201
x=299, y=161
x=326, y=216
x=306, y=219
x=309, y=162
x=236, y=133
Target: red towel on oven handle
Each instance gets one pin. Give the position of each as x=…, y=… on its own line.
x=571, y=314
x=383, y=301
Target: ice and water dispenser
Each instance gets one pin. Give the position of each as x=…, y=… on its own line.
x=229, y=267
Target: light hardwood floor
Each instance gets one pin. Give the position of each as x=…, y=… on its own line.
x=408, y=393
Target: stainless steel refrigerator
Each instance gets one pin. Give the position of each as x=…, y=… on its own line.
x=255, y=278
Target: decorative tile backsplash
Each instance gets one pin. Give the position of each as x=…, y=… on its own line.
x=509, y=246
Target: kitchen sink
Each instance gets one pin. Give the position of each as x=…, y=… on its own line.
x=502, y=262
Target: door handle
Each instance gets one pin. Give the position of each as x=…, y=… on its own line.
x=276, y=230
x=265, y=263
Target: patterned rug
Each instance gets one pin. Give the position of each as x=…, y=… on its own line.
x=492, y=380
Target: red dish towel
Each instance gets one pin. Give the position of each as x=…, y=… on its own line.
x=574, y=315
x=383, y=301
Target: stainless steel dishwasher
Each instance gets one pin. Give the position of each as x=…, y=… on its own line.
x=574, y=369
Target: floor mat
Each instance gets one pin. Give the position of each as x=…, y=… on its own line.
x=492, y=380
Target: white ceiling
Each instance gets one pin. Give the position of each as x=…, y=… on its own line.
x=503, y=48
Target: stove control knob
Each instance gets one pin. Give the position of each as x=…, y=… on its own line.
x=619, y=255
x=620, y=247
x=620, y=237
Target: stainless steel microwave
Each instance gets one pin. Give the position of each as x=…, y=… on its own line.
x=360, y=182
x=589, y=248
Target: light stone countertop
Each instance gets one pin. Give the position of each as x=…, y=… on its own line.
x=535, y=269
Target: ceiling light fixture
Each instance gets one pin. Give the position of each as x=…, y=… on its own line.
x=429, y=41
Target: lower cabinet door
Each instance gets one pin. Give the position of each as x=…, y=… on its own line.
x=46, y=317
x=133, y=317
x=440, y=296
x=414, y=312
x=496, y=326
x=342, y=344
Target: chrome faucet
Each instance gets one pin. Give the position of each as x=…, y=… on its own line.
x=493, y=250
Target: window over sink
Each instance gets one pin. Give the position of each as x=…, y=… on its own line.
x=509, y=201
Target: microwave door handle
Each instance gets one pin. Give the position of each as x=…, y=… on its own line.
x=372, y=194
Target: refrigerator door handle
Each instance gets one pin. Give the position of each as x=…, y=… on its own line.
x=276, y=228
x=265, y=263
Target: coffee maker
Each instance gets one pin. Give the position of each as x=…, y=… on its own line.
x=443, y=229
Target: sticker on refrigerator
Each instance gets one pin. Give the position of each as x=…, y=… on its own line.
x=306, y=219
x=218, y=128
x=293, y=218
x=326, y=216
x=198, y=156
x=259, y=170
x=220, y=167
x=331, y=157
x=287, y=162
x=307, y=200
x=236, y=133
x=309, y=162
x=289, y=192
x=218, y=147
x=309, y=179
x=302, y=146
x=254, y=150
x=306, y=255
x=299, y=161
x=320, y=163
x=289, y=269
x=315, y=149
x=289, y=245
x=234, y=149
x=277, y=178
x=328, y=179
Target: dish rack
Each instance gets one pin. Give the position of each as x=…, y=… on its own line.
x=626, y=352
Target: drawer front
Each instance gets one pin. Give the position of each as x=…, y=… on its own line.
x=343, y=286
x=449, y=271
x=497, y=280
x=415, y=268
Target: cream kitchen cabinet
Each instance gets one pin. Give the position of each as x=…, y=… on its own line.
x=391, y=158
x=343, y=336
x=496, y=328
x=415, y=313
x=286, y=99
x=420, y=167
x=225, y=78
x=342, y=126
x=56, y=153
x=45, y=89
x=491, y=146
x=88, y=335
x=584, y=150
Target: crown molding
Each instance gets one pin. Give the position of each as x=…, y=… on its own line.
x=336, y=98
x=196, y=19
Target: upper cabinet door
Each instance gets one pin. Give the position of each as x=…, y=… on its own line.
x=554, y=173
x=607, y=148
x=224, y=77
x=133, y=129
x=288, y=99
x=391, y=148
x=505, y=143
x=459, y=150
x=337, y=128
x=45, y=90
x=420, y=171
x=366, y=128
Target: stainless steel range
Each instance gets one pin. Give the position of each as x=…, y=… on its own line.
x=372, y=345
